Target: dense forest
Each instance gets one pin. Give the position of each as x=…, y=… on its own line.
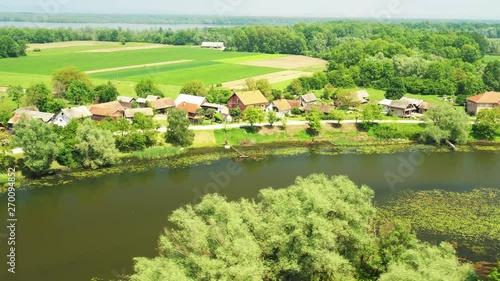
x=415, y=57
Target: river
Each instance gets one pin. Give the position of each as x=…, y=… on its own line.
x=131, y=26
x=94, y=227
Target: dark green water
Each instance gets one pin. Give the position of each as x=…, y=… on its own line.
x=93, y=228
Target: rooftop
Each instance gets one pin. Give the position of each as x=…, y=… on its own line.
x=77, y=112
x=488, y=97
x=130, y=113
x=282, y=105
x=189, y=99
x=163, y=103
x=309, y=98
x=251, y=97
x=189, y=107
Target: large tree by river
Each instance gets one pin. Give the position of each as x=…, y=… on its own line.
x=320, y=228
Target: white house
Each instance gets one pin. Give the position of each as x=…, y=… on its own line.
x=64, y=116
x=213, y=45
x=183, y=98
x=282, y=107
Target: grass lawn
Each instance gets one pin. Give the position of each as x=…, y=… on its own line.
x=489, y=58
x=204, y=139
x=347, y=134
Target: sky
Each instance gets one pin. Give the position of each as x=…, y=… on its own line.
x=422, y=9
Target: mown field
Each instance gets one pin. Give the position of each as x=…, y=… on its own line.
x=210, y=66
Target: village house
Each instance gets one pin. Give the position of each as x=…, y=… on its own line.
x=44, y=116
x=192, y=111
x=416, y=102
x=294, y=103
x=162, y=105
x=64, y=116
x=361, y=96
x=130, y=113
x=307, y=99
x=143, y=102
x=282, y=107
x=385, y=104
x=243, y=100
x=402, y=108
x=183, y=98
x=324, y=108
x=423, y=107
x=126, y=102
x=483, y=101
x=27, y=108
x=213, y=45
x=113, y=110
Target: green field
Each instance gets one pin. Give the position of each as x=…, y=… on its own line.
x=210, y=66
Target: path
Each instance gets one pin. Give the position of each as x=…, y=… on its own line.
x=135, y=66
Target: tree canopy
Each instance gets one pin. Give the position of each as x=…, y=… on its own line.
x=178, y=132
x=62, y=79
x=147, y=87
x=320, y=228
x=195, y=88
x=106, y=92
x=39, y=143
x=254, y=115
x=94, y=147
x=446, y=123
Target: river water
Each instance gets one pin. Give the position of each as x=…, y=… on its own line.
x=94, y=227
x=131, y=26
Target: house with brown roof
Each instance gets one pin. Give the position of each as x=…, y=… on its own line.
x=113, y=110
x=402, y=108
x=242, y=100
x=282, y=107
x=483, y=101
x=126, y=102
x=192, y=110
x=325, y=108
x=423, y=107
x=294, y=103
x=307, y=99
x=162, y=105
x=130, y=113
x=361, y=96
x=44, y=116
x=27, y=108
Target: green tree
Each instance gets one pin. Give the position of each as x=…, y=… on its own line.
x=329, y=92
x=430, y=263
x=371, y=113
x=314, y=120
x=53, y=105
x=219, y=95
x=62, y=79
x=16, y=93
x=494, y=274
x=236, y=113
x=487, y=124
x=491, y=76
x=5, y=113
x=254, y=115
x=296, y=88
x=106, y=92
x=178, y=132
x=38, y=95
x=471, y=53
x=195, y=87
x=94, y=147
x=396, y=90
x=251, y=84
x=265, y=87
x=272, y=117
x=80, y=93
x=39, y=144
x=9, y=48
x=284, y=121
x=444, y=123
x=147, y=87
x=143, y=122
x=337, y=115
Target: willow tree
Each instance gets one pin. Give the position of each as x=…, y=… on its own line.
x=445, y=123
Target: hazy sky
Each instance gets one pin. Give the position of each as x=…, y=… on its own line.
x=443, y=9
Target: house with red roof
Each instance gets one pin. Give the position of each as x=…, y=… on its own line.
x=487, y=100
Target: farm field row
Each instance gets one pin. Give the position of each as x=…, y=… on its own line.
x=169, y=66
